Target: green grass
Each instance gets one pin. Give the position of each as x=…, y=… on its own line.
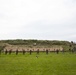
x=51, y=64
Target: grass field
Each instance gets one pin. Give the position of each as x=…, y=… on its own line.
x=51, y=64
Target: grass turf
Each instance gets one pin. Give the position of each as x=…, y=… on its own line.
x=51, y=64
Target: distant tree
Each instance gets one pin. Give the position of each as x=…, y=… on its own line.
x=70, y=45
x=69, y=49
x=71, y=42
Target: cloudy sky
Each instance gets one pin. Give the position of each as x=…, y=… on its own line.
x=38, y=19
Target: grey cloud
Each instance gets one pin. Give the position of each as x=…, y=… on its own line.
x=42, y=19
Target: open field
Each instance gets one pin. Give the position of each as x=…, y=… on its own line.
x=51, y=64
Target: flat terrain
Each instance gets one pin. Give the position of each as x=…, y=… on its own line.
x=51, y=64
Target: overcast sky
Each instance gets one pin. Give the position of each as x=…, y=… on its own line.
x=38, y=19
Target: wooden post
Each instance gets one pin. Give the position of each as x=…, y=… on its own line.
x=38, y=51
x=57, y=51
x=23, y=52
x=10, y=52
x=17, y=52
x=0, y=52
x=6, y=52
x=46, y=51
x=30, y=52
